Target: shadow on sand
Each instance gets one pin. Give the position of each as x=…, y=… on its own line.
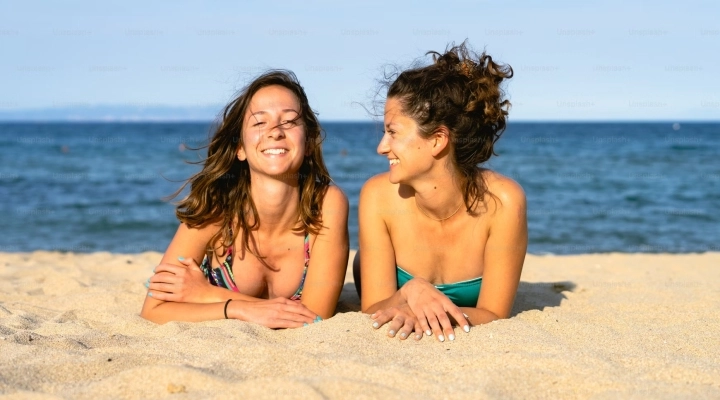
x=538, y=295
x=530, y=296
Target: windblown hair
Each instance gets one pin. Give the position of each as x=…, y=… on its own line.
x=220, y=192
x=461, y=91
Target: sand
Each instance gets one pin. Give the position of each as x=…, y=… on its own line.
x=586, y=326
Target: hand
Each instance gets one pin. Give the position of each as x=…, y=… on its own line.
x=276, y=313
x=431, y=308
x=180, y=284
x=401, y=321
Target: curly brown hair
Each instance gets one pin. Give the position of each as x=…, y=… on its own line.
x=460, y=90
x=220, y=192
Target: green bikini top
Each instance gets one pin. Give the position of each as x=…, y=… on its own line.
x=463, y=294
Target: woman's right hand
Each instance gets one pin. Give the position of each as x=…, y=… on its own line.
x=276, y=313
x=431, y=307
x=180, y=284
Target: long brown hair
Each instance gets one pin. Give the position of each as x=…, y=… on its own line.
x=220, y=192
x=461, y=91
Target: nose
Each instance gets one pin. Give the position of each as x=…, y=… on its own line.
x=277, y=132
x=384, y=147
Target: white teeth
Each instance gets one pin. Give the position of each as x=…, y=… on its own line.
x=275, y=151
x=394, y=161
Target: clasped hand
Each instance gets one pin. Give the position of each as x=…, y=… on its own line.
x=180, y=284
x=425, y=310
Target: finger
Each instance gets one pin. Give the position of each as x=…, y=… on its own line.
x=395, y=324
x=164, y=277
x=293, y=312
x=418, y=331
x=435, y=326
x=459, y=317
x=423, y=321
x=169, y=268
x=446, y=326
x=162, y=287
x=380, y=318
x=283, y=324
x=189, y=262
x=162, y=296
x=302, y=309
x=407, y=328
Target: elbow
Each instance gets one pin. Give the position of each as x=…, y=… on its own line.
x=149, y=314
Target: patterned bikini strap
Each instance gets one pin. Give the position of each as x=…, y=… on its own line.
x=307, y=248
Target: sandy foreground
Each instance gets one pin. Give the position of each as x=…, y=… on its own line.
x=588, y=326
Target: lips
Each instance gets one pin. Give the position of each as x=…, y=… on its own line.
x=274, y=151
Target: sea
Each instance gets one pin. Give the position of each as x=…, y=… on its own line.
x=591, y=187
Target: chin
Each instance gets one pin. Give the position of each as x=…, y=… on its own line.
x=394, y=178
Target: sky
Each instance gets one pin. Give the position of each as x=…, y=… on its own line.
x=573, y=60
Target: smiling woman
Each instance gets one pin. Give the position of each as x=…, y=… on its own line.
x=262, y=204
x=425, y=263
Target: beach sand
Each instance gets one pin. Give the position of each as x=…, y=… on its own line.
x=586, y=326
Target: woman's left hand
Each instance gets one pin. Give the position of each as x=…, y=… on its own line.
x=431, y=307
x=401, y=322
x=180, y=284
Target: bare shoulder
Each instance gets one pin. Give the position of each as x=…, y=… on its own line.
x=378, y=185
x=510, y=194
x=335, y=201
x=206, y=231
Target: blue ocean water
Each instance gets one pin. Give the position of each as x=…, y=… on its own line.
x=591, y=187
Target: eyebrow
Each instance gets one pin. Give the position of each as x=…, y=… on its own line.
x=252, y=114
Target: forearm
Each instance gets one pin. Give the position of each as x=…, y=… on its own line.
x=397, y=299
x=218, y=294
x=186, y=312
x=478, y=316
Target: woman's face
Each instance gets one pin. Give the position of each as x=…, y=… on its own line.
x=273, y=135
x=408, y=154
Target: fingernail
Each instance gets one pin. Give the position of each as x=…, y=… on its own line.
x=318, y=318
x=428, y=332
x=466, y=328
x=403, y=335
x=153, y=270
x=418, y=336
x=373, y=316
x=305, y=324
x=375, y=325
x=466, y=316
x=147, y=284
x=441, y=338
x=149, y=294
x=181, y=258
x=391, y=333
x=451, y=336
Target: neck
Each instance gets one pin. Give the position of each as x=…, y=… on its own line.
x=276, y=202
x=438, y=196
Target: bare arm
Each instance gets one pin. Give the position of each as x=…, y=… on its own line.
x=329, y=257
x=189, y=243
x=504, y=254
x=377, y=262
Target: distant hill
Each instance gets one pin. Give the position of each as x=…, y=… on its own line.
x=109, y=113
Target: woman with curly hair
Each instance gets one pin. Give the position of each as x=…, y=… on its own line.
x=441, y=238
x=261, y=206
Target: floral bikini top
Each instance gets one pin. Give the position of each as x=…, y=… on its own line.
x=222, y=276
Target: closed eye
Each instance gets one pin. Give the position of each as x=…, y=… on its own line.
x=289, y=123
x=258, y=123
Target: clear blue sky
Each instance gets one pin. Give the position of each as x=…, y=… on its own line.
x=611, y=60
